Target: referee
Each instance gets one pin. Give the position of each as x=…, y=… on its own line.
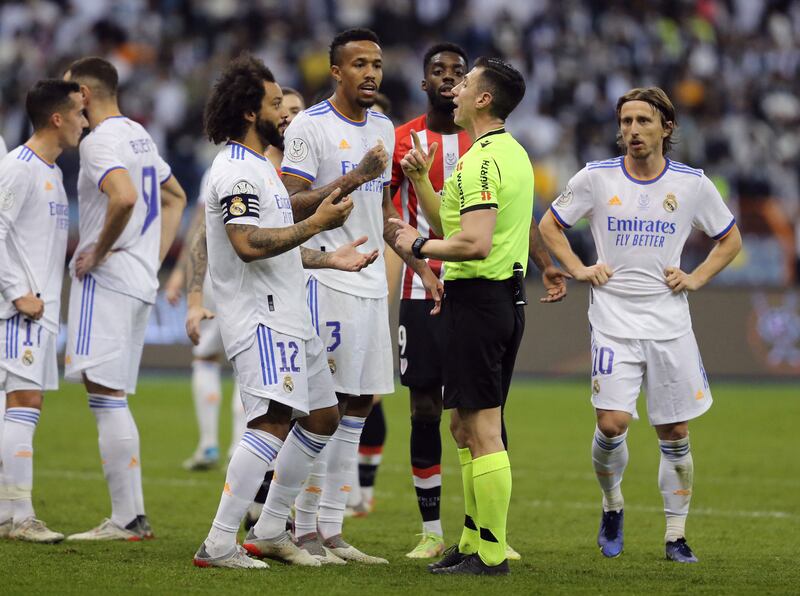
x=483, y=216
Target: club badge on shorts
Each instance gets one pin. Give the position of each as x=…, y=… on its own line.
x=332, y=365
x=27, y=358
x=288, y=384
x=595, y=386
x=670, y=203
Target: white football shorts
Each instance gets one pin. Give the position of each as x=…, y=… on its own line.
x=670, y=372
x=27, y=356
x=285, y=369
x=357, y=339
x=105, y=335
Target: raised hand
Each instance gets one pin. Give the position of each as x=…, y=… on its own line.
x=332, y=213
x=347, y=258
x=417, y=163
x=374, y=162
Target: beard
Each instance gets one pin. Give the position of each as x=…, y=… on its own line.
x=365, y=103
x=268, y=133
x=439, y=103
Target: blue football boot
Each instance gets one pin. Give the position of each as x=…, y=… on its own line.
x=609, y=538
x=680, y=552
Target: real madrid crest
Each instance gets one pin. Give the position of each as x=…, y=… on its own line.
x=595, y=386
x=332, y=365
x=670, y=203
x=288, y=384
x=27, y=358
x=237, y=207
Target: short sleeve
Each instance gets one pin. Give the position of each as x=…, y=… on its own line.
x=163, y=170
x=389, y=142
x=712, y=216
x=575, y=201
x=301, y=153
x=477, y=182
x=100, y=157
x=239, y=200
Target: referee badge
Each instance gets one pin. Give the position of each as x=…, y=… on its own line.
x=595, y=386
x=332, y=365
x=288, y=384
x=27, y=358
x=237, y=207
x=670, y=203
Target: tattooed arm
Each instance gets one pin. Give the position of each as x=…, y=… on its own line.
x=344, y=258
x=195, y=274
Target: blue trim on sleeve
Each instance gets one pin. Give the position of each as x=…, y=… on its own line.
x=298, y=173
x=558, y=217
x=107, y=172
x=725, y=231
x=164, y=181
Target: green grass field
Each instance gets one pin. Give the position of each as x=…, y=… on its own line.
x=744, y=525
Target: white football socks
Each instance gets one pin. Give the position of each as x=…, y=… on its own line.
x=136, y=467
x=610, y=456
x=306, y=504
x=246, y=470
x=17, y=453
x=237, y=417
x=292, y=467
x=206, y=393
x=342, y=456
x=118, y=454
x=6, y=512
x=675, y=476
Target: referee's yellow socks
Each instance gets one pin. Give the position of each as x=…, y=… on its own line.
x=491, y=481
x=469, y=536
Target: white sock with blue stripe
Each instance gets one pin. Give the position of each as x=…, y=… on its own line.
x=610, y=456
x=17, y=453
x=306, y=505
x=251, y=460
x=675, y=477
x=292, y=468
x=118, y=454
x=136, y=467
x=342, y=457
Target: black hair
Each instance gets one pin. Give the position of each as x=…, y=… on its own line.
x=239, y=89
x=47, y=97
x=504, y=82
x=348, y=35
x=99, y=69
x=443, y=47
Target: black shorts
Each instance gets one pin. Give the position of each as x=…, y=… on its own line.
x=483, y=330
x=420, y=339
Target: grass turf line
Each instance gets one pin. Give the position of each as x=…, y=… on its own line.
x=745, y=528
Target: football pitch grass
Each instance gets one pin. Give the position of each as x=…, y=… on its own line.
x=744, y=525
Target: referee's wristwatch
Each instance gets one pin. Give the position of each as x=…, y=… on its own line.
x=416, y=248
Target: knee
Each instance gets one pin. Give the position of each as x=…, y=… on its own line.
x=673, y=432
x=426, y=405
x=612, y=428
x=322, y=422
x=359, y=405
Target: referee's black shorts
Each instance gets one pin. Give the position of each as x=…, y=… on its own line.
x=483, y=330
x=420, y=339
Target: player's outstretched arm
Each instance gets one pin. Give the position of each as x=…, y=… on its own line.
x=252, y=243
x=345, y=258
x=306, y=200
x=122, y=196
x=557, y=242
x=392, y=225
x=173, y=202
x=724, y=251
x=553, y=278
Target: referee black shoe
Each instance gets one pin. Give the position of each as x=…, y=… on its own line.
x=451, y=558
x=473, y=565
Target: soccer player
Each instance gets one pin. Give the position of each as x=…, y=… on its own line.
x=34, y=223
x=641, y=207
x=483, y=220
x=341, y=143
x=294, y=104
x=130, y=207
x=255, y=265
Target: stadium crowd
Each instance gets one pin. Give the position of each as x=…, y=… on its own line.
x=731, y=65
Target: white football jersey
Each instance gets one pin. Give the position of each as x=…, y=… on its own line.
x=34, y=224
x=322, y=145
x=3, y=148
x=244, y=189
x=639, y=229
x=132, y=265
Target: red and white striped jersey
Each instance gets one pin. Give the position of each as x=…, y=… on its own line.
x=451, y=148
